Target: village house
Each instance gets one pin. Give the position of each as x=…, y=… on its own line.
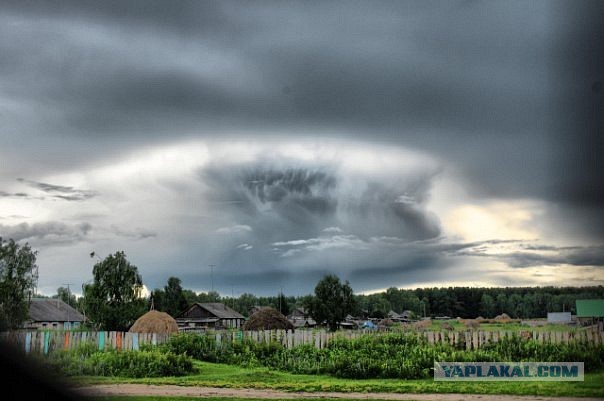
x=209, y=315
x=403, y=317
x=299, y=317
x=47, y=313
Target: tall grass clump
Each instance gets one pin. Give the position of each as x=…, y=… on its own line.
x=86, y=359
x=244, y=352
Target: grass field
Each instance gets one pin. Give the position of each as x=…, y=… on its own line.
x=219, y=375
x=514, y=327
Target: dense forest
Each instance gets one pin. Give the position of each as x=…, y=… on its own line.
x=465, y=302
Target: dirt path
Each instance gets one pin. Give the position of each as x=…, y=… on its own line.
x=184, y=391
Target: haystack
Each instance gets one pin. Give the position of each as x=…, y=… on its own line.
x=422, y=324
x=267, y=319
x=503, y=316
x=446, y=326
x=155, y=322
x=471, y=323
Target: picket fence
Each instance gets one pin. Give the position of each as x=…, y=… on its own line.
x=47, y=341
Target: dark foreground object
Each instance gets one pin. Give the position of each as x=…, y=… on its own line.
x=24, y=379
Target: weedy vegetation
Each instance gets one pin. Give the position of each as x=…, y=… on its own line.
x=394, y=355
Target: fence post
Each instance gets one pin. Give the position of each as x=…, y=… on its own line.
x=46, y=341
x=101, y=340
x=27, y=343
x=475, y=340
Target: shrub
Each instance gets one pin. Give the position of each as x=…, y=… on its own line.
x=86, y=360
x=139, y=364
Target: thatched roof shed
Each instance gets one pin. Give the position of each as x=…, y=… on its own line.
x=155, y=322
x=267, y=319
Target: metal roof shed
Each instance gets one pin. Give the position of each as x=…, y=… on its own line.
x=590, y=307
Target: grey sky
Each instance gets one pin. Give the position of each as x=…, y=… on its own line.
x=281, y=140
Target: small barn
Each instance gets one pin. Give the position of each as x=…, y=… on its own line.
x=155, y=322
x=590, y=310
x=210, y=315
x=52, y=313
x=559, y=317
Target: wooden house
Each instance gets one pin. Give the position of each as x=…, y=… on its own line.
x=209, y=315
x=51, y=313
x=299, y=317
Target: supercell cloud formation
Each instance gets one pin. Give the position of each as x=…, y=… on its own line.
x=393, y=143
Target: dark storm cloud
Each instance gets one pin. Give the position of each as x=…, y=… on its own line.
x=489, y=86
x=290, y=203
x=386, y=204
x=301, y=196
x=59, y=191
x=507, y=94
x=51, y=233
x=47, y=233
x=553, y=256
x=137, y=234
x=18, y=195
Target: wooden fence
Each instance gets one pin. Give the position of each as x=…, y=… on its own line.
x=46, y=341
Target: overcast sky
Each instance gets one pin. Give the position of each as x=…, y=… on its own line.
x=406, y=143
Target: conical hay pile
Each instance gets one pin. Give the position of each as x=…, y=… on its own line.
x=503, y=316
x=267, y=319
x=155, y=322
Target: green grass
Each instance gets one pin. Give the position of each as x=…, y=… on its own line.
x=513, y=327
x=229, y=376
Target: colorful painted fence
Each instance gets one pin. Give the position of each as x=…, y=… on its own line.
x=46, y=341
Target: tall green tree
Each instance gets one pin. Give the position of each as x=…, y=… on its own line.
x=245, y=302
x=113, y=301
x=502, y=303
x=487, y=306
x=332, y=301
x=156, y=300
x=281, y=304
x=18, y=278
x=65, y=295
x=210, y=296
x=174, y=300
x=190, y=296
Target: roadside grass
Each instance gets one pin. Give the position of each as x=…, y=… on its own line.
x=231, y=376
x=164, y=398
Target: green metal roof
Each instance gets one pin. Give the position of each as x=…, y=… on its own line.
x=590, y=307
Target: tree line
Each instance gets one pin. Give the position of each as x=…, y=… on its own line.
x=113, y=299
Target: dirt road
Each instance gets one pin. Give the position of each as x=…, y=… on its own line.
x=171, y=390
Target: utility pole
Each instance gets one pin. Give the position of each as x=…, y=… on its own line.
x=212, y=275
x=280, y=296
x=68, y=299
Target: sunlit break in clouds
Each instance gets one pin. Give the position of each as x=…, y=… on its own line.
x=393, y=144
